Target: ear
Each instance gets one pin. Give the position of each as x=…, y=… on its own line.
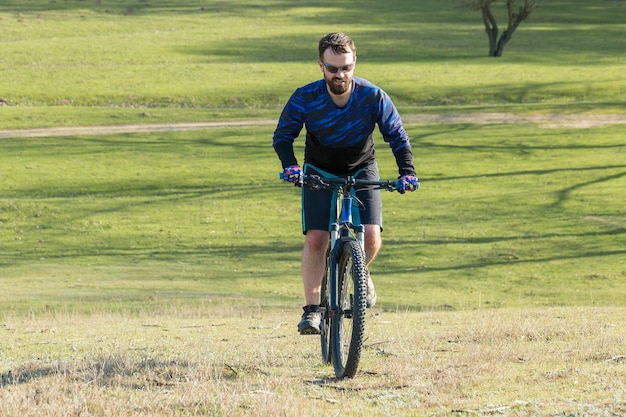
x=319, y=62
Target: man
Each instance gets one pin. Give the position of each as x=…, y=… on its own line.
x=340, y=113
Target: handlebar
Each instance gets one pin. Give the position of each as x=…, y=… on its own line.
x=317, y=182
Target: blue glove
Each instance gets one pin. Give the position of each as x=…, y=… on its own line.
x=407, y=183
x=293, y=174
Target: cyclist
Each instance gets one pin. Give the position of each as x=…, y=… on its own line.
x=339, y=112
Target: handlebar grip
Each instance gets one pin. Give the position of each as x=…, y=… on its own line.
x=400, y=188
x=299, y=183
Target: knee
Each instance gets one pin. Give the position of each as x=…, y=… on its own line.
x=317, y=240
x=372, y=236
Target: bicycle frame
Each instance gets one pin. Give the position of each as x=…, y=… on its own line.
x=340, y=230
x=344, y=288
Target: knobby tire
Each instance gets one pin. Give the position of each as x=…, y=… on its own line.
x=348, y=325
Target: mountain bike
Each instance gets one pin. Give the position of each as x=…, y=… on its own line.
x=343, y=297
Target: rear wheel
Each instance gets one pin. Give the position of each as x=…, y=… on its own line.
x=326, y=314
x=348, y=325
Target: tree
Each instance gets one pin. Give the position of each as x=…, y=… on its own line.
x=518, y=11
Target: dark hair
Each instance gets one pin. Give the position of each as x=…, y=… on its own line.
x=338, y=41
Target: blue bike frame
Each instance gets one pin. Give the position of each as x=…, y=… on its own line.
x=340, y=231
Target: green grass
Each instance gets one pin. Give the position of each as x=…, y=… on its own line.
x=107, y=62
x=507, y=216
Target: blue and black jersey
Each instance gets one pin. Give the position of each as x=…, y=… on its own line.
x=339, y=139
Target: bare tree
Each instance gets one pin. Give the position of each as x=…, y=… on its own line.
x=518, y=11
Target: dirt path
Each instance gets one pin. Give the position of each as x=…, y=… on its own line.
x=134, y=128
x=544, y=120
x=580, y=121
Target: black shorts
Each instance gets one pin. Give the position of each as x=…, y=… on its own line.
x=319, y=206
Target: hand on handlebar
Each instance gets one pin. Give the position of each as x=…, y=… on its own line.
x=293, y=174
x=407, y=183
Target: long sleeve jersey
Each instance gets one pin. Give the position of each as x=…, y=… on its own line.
x=339, y=139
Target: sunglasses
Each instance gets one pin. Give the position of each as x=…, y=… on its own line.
x=334, y=70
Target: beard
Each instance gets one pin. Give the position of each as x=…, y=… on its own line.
x=338, y=89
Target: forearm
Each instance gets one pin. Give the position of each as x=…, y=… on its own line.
x=285, y=153
x=404, y=159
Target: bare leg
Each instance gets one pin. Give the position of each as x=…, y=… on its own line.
x=314, y=264
x=373, y=242
x=314, y=258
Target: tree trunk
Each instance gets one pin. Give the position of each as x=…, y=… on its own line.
x=491, y=27
x=504, y=39
x=515, y=17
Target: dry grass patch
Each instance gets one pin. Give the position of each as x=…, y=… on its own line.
x=565, y=361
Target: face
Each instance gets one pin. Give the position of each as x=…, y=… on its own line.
x=338, y=70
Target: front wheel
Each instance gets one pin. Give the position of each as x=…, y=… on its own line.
x=348, y=324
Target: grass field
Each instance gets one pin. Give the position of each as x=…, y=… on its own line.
x=186, y=362
x=89, y=62
x=157, y=274
x=508, y=216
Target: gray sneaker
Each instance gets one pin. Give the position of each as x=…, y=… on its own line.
x=371, y=293
x=311, y=321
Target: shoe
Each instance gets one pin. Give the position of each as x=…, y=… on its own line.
x=371, y=293
x=311, y=321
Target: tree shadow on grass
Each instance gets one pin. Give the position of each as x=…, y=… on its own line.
x=308, y=11
x=424, y=30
